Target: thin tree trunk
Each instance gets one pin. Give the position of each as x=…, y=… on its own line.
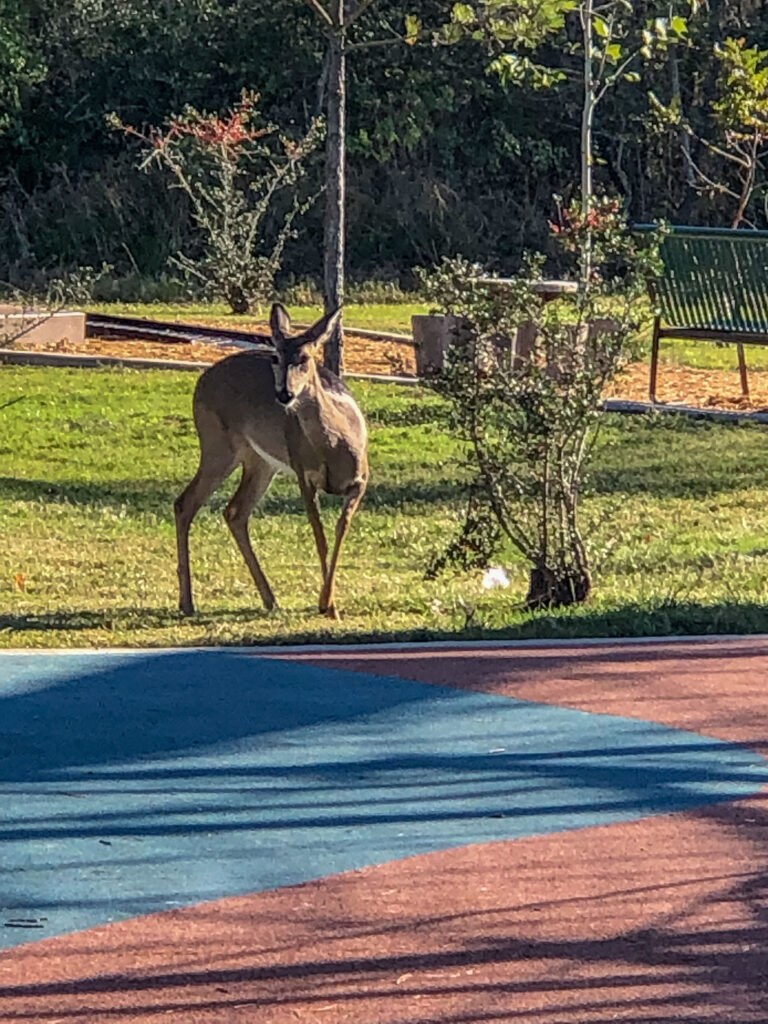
x=587, y=119
x=322, y=85
x=748, y=183
x=334, y=189
x=684, y=137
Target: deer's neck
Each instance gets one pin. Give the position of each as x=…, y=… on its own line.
x=315, y=411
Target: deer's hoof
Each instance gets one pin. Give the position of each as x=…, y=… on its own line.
x=187, y=609
x=331, y=612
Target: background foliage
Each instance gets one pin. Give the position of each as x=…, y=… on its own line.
x=442, y=156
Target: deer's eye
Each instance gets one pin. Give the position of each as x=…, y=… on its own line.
x=304, y=361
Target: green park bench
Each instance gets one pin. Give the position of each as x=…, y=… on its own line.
x=714, y=288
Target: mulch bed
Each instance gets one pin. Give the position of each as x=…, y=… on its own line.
x=362, y=355
x=706, y=389
x=703, y=389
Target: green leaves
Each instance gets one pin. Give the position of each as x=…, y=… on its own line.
x=463, y=14
x=231, y=166
x=515, y=70
x=21, y=65
x=524, y=401
x=742, y=107
x=523, y=23
x=413, y=29
x=613, y=52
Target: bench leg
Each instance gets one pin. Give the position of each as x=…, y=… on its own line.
x=654, y=361
x=743, y=371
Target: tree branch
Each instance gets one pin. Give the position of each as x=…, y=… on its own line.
x=369, y=43
x=318, y=8
x=707, y=181
x=616, y=75
x=362, y=7
x=723, y=153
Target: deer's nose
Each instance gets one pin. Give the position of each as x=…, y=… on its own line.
x=284, y=396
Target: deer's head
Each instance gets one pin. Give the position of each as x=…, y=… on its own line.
x=294, y=365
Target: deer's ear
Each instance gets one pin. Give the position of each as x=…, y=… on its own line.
x=279, y=323
x=319, y=333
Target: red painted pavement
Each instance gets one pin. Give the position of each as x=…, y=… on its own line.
x=659, y=920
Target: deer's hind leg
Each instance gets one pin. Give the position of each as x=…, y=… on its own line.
x=257, y=476
x=217, y=460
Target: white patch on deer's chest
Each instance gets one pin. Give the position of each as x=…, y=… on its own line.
x=277, y=464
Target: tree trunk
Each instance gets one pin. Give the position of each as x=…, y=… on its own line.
x=550, y=588
x=238, y=300
x=334, y=191
x=683, y=136
x=587, y=120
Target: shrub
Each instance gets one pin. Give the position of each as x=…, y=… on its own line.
x=232, y=168
x=524, y=379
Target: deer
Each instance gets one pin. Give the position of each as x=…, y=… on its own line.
x=281, y=413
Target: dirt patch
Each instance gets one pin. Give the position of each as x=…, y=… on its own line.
x=361, y=355
x=704, y=389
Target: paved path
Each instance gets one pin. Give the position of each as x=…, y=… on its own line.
x=556, y=834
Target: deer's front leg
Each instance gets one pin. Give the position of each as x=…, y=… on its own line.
x=312, y=505
x=352, y=498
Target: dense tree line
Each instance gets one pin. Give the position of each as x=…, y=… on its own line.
x=442, y=157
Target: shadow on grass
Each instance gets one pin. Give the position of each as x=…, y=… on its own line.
x=141, y=495
x=674, y=457
x=126, y=618
x=670, y=619
x=145, y=495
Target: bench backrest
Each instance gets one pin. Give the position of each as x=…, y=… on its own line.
x=715, y=279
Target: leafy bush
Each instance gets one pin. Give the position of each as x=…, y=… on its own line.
x=232, y=168
x=524, y=379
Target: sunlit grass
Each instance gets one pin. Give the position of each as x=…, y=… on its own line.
x=90, y=462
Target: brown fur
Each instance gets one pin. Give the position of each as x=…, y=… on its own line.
x=266, y=416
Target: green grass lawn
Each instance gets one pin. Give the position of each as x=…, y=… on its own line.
x=709, y=356
x=91, y=460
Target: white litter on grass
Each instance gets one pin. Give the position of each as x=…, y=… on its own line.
x=495, y=577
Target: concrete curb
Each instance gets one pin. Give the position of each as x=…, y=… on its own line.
x=402, y=645
x=366, y=333
x=21, y=358
x=721, y=415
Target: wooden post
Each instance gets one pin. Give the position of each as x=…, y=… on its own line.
x=654, y=359
x=743, y=370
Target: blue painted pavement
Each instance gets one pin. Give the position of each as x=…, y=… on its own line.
x=136, y=782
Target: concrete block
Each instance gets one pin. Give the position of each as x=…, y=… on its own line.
x=432, y=337
x=39, y=326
